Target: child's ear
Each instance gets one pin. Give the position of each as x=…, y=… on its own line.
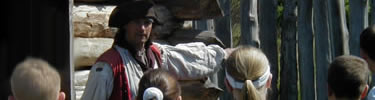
x=269, y=81
x=179, y=98
x=364, y=92
x=61, y=96
x=363, y=54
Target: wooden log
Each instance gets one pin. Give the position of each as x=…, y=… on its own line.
x=91, y=1
x=268, y=40
x=338, y=27
x=358, y=22
x=322, y=47
x=91, y=21
x=169, y=23
x=223, y=28
x=87, y=50
x=249, y=23
x=223, y=31
x=192, y=9
x=288, y=78
x=305, y=50
x=186, y=36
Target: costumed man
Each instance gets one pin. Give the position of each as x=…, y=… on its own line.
x=116, y=73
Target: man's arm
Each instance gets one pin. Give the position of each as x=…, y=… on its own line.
x=100, y=83
x=192, y=61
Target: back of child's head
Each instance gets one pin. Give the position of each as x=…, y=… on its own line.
x=348, y=76
x=367, y=40
x=158, y=84
x=35, y=79
x=248, y=66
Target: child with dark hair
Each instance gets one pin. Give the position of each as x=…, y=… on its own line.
x=347, y=78
x=367, y=40
x=158, y=85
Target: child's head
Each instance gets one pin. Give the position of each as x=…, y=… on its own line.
x=35, y=79
x=158, y=85
x=347, y=77
x=248, y=73
x=367, y=40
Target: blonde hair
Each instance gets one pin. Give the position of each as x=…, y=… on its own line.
x=248, y=64
x=35, y=79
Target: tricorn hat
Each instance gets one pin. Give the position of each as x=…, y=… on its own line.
x=128, y=11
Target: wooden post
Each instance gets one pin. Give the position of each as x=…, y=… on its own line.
x=358, y=22
x=249, y=23
x=268, y=39
x=223, y=28
x=200, y=24
x=42, y=29
x=288, y=79
x=305, y=50
x=223, y=31
x=322, y=47
x=372, y=13
x=338, y=27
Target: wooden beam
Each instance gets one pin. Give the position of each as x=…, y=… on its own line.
x=358, y=22
x=289, y=76
x=249, y=23
x=322, y=47
x=268, y=39
x=305, y=50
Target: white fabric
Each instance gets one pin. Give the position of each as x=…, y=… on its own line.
x=187, y=61
x=192, y=61
x=232, y=82
x=371, y=94
x=262, y=80
x=152, y=93
x=99, y=84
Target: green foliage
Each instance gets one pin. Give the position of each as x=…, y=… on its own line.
x=236, y=21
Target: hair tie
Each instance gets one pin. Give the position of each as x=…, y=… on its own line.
x=152, y=93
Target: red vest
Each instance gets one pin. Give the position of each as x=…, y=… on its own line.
x=121, y=88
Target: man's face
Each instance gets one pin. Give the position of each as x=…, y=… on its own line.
x=138, y=31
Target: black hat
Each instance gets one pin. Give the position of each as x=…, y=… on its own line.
x=128, y=11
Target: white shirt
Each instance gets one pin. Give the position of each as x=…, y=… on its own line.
x=188, y=61
x=371, y=94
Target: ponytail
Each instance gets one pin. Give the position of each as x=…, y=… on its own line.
x=250, y=92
